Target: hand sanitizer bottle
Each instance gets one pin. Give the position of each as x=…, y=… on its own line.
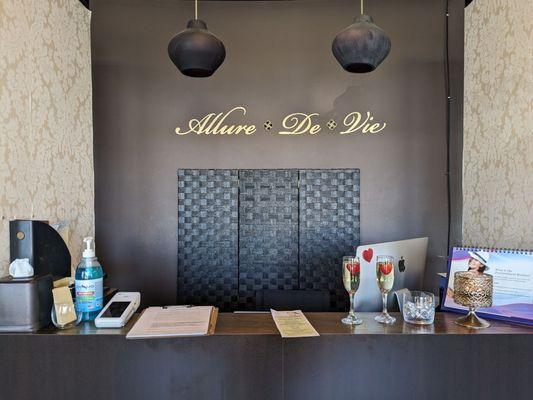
x=89, y=283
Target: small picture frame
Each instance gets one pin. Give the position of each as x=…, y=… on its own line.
x=512, y=272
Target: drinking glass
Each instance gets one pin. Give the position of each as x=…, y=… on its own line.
x=418, y=307
x=385, y=279
x=351, y=270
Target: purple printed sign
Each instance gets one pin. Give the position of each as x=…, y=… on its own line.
x=512, y=273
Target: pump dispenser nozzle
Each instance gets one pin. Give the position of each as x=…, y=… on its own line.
x=89, y=251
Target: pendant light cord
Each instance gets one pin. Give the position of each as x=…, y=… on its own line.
x=362, y=12
x=448, y=126
x=196, y=9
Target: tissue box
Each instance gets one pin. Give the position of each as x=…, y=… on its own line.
x=25, y=304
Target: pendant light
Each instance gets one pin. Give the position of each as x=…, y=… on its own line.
x=196, y=51
x=362, y=46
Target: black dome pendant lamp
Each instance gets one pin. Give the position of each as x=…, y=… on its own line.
x=362, y=46
x=196, y=51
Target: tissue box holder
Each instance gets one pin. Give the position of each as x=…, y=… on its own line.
x=25, y=303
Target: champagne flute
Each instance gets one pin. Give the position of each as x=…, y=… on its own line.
x=385, y=279
x=351, y=270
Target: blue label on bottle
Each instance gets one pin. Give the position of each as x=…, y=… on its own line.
x=89, y=295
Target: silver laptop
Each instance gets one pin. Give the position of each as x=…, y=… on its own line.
x=409, y=265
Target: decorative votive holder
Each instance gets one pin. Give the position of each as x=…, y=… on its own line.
x=472, y=290
x=418, y=307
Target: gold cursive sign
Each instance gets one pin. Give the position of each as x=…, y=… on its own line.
x=299, y=123
x=293, y=124
x=214, y=124
x=354, y=123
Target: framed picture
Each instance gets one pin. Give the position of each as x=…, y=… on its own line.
x=512, y=272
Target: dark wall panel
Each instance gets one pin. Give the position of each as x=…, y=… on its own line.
x=329, y=229
x=268, y=232
x=278, y=62
x=207, y=237
x=293, y=228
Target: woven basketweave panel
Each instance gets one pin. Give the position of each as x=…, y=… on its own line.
x=208, y=237
x=329, y=229
x=268, y=232
x=249, y=230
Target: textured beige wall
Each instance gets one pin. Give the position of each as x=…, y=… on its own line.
x=46, y=153
x=498, y=127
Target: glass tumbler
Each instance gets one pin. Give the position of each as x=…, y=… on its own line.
x=418, y=307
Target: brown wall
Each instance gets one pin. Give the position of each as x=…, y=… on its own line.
x=278, y=62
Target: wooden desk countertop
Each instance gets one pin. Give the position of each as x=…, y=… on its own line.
x=324, y=323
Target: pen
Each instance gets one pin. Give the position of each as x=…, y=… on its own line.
x=183, y=306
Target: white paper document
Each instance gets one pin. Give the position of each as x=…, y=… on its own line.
x=293, y=324
x=172, y=321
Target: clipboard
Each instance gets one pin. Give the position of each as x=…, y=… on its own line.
x=174, y=321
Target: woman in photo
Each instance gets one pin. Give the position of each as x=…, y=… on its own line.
x=476, y=264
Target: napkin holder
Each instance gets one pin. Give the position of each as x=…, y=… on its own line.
x=26, y=303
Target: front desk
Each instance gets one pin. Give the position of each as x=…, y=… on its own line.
x=247, y=359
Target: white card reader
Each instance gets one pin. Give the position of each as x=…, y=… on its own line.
x=119, y=310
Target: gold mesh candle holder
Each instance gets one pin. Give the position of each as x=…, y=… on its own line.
x=472, y=290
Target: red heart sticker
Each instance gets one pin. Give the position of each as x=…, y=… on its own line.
x=368, y=254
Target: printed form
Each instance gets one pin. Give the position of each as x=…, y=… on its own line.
x=293, y=324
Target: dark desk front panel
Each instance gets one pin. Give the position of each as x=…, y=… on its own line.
x=109, y=367
x=397, y=367
x=247, y=359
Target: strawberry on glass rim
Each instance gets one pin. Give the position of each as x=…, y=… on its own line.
x=385, y=268
x=354, y=268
